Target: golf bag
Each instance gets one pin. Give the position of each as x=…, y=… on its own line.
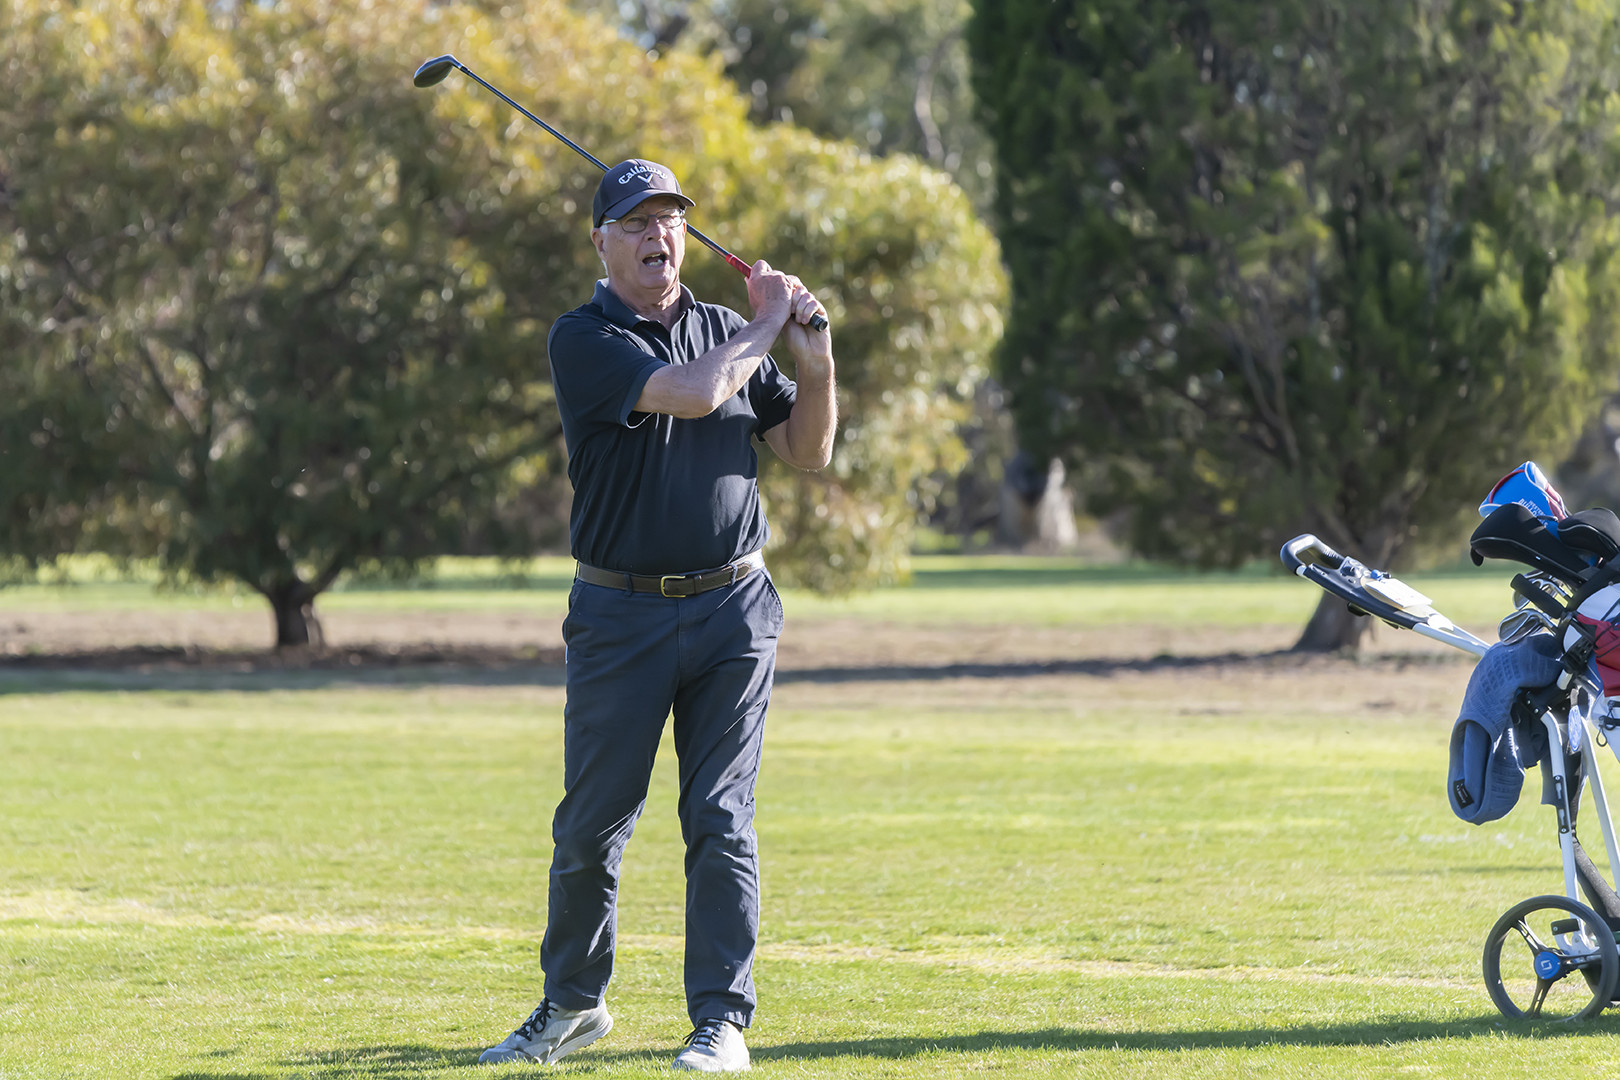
x=1545, y=696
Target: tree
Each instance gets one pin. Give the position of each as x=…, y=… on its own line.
x=1311, y=265
x=303, y=363
x=306, y=303
x=890, y=76
x=1590, y=474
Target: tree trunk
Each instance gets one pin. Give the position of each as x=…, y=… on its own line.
x=1333, y=629
x=1037, y=508
x=1055, y=529
x=296, y=624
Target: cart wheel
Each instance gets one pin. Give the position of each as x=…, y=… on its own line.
x=1534, y=949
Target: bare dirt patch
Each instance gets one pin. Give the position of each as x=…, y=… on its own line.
x=812, y=650
x=200, y=632
x=1144, y=674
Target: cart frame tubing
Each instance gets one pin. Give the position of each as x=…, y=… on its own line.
x=1601, y=801
x=1557, y=734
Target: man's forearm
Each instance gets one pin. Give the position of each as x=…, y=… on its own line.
x=807, y=434
x=697, y=389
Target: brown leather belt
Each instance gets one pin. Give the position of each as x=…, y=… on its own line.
x=672, y=585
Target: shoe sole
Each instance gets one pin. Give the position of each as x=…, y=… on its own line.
x=681, y=1066
x=578, y=1042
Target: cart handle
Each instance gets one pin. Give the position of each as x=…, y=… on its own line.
x=1306, y=550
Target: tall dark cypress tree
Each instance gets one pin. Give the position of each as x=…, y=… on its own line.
x=1326, y=265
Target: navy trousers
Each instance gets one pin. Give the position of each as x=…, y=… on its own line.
x=633, y=660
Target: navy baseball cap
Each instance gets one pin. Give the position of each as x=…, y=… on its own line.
x=628, y=183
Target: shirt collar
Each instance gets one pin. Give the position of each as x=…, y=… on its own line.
x=619, y=312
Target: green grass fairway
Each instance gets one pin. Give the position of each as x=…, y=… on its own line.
x=1205, y=870
x=973, y=590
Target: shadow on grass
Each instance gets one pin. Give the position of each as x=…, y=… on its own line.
x=1380, y=1032
x=387, y=1062
x=177, y=669
x=1015, y=573
x=163, y=669
x=81, y=675
x=403, y=1062
x=379, y=1062
x=1014, y=669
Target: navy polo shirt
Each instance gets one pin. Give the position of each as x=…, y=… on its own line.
x=654, y=494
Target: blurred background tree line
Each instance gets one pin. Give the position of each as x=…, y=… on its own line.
x=271, y=314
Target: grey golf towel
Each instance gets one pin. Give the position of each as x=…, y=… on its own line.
x=1489, y=752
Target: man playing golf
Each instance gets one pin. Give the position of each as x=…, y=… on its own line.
x=672, y=609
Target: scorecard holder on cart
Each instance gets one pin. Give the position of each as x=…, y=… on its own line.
x=1373, y=592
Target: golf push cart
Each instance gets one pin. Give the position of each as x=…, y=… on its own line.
x=1547, y=693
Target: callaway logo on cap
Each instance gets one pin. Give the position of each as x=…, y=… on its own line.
x=628, y=183
x=639, y=168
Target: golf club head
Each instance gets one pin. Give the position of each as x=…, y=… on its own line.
x=1521, y=624
x=1549, y=584
x=432, y=72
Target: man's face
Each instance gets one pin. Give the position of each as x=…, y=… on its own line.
x=643, y=266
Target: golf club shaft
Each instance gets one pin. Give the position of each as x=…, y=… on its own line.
x=817, y=321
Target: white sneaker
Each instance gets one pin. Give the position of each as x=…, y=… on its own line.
x=550, y=1034
x=714, y=1046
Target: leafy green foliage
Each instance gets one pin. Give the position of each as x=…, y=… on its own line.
x=888, y=75
x=914, y=295
x=303, y=361
x=1307, y=265
x=282, y=315
x=895, y=78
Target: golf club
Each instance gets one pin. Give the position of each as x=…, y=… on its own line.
x=1522, y=623
x=433, y=72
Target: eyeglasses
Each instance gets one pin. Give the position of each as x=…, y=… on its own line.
x=637, y=223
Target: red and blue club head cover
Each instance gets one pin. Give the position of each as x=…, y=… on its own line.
x=1529, y=487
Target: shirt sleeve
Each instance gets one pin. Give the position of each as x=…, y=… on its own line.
x=772, y=395
x=599, y=371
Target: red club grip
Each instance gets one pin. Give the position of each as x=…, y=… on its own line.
x=818, y=321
